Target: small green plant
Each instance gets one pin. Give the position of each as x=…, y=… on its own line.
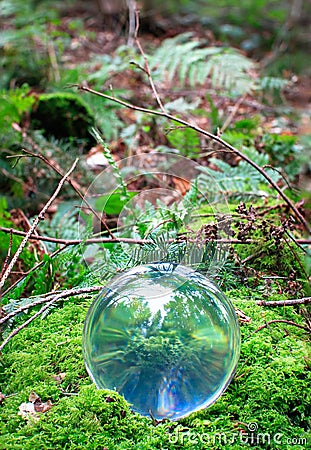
x=239, y=182
x=186, y=141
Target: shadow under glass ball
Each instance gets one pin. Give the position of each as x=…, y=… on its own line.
x=165, y=337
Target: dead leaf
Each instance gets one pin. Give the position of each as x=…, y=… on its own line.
x=2, y=398
x=33, y=397
x=59, y=377
x=181, y=185
x=43, y=407
x=29, y=411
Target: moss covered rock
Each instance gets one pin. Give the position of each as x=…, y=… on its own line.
x=63, y=115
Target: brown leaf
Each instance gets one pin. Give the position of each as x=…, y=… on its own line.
x=33, y=397
x=59, y=377
x=33, y=407
x=43, y=407
x=2, y=398
x=181, y=185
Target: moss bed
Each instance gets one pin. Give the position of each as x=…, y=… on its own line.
x=267, y=405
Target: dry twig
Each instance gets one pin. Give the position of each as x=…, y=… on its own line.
x=46, y=298
x=54, y=299
x=291, y=302
x=288, y=322
x=214, y=137
x=146, y=69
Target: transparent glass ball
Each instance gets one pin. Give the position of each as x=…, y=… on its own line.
x=165, y=337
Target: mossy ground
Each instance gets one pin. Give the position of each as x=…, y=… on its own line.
x=270, y=391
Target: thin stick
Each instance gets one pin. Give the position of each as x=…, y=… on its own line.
x=33, y=269
x=90, y=241
x=211, y=136
x=8, y=256
x=288, y=322
x=233, y=113
x=115, y=240
x=292, y=302
x=47, y=298
x=37, y=314
x=146, y=69
x=34, y=225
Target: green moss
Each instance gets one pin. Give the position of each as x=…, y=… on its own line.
x=63, y=115
x=271, y=388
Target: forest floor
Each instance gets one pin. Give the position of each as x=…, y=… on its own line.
x=47, y=399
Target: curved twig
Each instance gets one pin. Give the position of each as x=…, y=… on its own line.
x=209, y=135
x=288, y=322
x=47, y=298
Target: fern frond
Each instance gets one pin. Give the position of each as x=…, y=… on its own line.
x=242, y=181
x=190, y=61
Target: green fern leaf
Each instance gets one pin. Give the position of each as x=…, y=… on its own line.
x=190, y=61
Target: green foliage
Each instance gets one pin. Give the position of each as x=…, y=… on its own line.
x=13, y=105
x=29, y=22
x=285, y=152
x=110, y=65
x=186, y=141
x=241, y=181
x=116, y=171
x=27, y=257
x=192, y=61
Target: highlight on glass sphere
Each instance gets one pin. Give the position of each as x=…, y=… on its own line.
x=165, y=337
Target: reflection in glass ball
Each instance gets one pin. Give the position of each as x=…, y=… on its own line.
x=165, y=337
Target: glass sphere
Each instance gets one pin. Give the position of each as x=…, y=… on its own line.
x=165, y=337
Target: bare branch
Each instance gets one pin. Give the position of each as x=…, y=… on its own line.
x=55, y=298
x=288, y=322
x=146, y=69
x=47, y=298
x=292, y=302
x=209, y=135
x=105, y=240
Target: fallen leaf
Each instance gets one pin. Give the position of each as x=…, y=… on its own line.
x=59, y=377
x=29, y=410
x=43, y=407
x=2, y=398
x=33, y=397
x=181, y=185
